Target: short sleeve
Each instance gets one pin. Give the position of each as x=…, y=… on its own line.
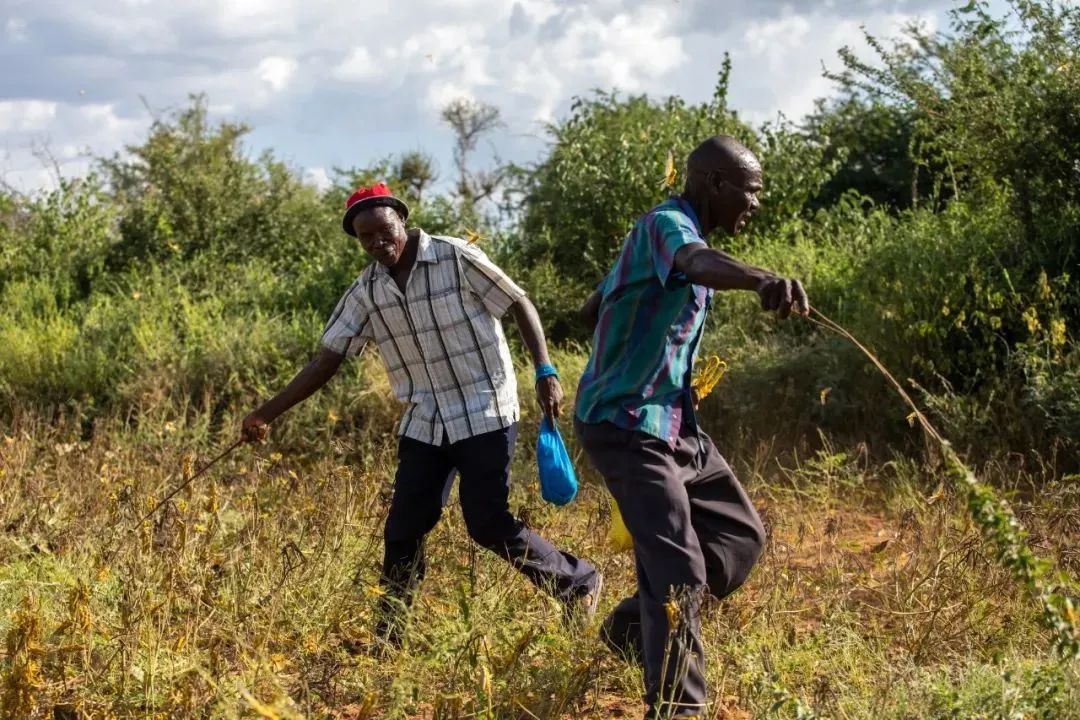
x=486, y=280
x=349, y=328
x=668, y=233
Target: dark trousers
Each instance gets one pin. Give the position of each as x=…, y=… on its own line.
x=425, y=475
x=694, y=530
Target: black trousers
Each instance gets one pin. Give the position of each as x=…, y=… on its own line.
x=425, y=475
x=694, y=531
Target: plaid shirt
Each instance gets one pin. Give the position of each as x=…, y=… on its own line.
x=442, y=342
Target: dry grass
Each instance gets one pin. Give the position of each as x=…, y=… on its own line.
x=876, y=597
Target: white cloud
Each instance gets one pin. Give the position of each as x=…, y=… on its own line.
x=308, y=73
x=318, y=177
x=26, y=115
x=277, y=72
x=253, y=18
x=15, y=29
x=60, y=137
x=357, y=65
x=792, y=50
x=441, y=94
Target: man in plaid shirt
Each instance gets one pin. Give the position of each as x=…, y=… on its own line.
x=431, y=305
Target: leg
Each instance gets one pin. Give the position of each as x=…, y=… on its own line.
x=621, y=630
x=484, y=464
x=646, y=477
x=725, y=521
x=424, y=472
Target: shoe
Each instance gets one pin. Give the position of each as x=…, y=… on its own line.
x=580, y=611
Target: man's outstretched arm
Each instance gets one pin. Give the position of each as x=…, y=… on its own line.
x=716, y=269
x=314, y=375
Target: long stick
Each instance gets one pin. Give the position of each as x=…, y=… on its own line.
x=108, y=559
x=187, y=482
x=998, y=524
x=837, y=328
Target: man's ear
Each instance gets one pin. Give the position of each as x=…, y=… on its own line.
x=717, y=179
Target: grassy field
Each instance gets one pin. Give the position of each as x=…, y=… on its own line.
x=876, y=597
x=930, y=205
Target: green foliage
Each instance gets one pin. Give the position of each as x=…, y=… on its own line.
x=64, y=238
x=605, y=168
x=872, y=142
x=995, y=105
x=154, y=339
x=933, y=210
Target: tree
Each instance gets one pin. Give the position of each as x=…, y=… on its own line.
x=189, y=189
x=871, y=140
x=605, y=167
x=470, y=120
x=416, y=171
x=992, y=105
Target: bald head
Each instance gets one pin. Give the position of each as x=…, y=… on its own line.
x=722, y=152
x=723, y=179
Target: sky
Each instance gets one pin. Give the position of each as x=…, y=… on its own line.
x=327, y=83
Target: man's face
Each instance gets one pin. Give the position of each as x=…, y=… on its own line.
x=735, y=194
x=381, y=233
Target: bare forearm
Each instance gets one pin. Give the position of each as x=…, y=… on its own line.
x=590, y=311
x=314, y=375
x=720, y=271
x=532, y=333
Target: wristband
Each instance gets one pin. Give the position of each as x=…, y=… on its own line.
x=546, y=370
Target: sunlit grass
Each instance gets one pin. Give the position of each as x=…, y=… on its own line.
x=239, y=598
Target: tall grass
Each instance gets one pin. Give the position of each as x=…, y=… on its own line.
x=875, y=597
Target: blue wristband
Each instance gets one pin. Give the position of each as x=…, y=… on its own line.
x=546, y=370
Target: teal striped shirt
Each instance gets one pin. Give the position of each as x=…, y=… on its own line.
x=650, y=323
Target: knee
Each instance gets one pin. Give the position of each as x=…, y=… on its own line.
x=490, y=529
x=739, y=560
x=405, y=527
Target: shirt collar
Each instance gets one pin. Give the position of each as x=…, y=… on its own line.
x=688, y=210
x=425, y=251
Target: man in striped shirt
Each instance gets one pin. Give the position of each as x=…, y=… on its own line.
x=431, y=305
x=693, y=526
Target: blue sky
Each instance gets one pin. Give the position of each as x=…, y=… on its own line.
x=326, y=82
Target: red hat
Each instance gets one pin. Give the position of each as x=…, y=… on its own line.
x=365, y=198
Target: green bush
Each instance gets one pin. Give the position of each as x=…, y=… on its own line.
x=188, y=272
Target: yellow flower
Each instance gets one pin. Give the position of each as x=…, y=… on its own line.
x=673, y=615
x=1057, y=332
x=708, y=376
x=1031, y=319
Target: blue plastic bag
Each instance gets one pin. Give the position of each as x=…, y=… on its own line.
x=558, y=483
